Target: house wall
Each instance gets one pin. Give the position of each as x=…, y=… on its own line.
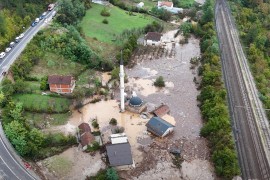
x=154, y=43
x=125, y=167
x=169, y=130
x=62, y=88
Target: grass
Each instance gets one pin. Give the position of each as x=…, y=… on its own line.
x=119, y=20
x=42, y=103
x=85, y=77
x=55, y=64
x=33, y=86
x=186, y=3
x=60, y=165
x=148, y=4
x=54, y=119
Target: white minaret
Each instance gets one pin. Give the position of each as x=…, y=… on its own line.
x=122, y=85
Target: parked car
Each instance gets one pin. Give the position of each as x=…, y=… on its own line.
x=37, y=20
x=12, y=44
x=17, y=39
x=21, y=36
x=33, y=24
x=7, y=49
x=2, y=55
x=43, y=15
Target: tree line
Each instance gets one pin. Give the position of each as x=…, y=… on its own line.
x=217, y=128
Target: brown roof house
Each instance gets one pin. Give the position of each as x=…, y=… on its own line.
x=61, y=84
x=86, y=138
x=165, y=4
x=161, y=110
x=152, y=38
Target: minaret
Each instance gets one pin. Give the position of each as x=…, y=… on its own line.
x=122, y=85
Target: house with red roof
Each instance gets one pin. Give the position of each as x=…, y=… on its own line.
x=86, y=137
x=61, y=84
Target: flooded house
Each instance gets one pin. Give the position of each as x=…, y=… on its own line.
x=85, y=136
x=159, y=126
x=152, y=38
x=161, y=110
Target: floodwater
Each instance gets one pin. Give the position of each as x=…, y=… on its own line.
x=180, y=92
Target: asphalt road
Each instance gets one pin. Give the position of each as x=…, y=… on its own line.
x=10, y=167
x=249, y=123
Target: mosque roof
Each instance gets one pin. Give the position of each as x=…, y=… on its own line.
x=135, y=101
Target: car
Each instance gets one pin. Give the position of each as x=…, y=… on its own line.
x=36, y=20
x=21, y=36
x=12, y=44
x=17, y=39
x=43, y=15
x=7, y=49
x=33, y=24
x=2, y=55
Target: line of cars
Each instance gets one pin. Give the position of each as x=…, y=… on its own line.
x=11, y=45
x=43, y=15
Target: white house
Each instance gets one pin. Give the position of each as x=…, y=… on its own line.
x=169, y=7
x=152, y=38
x=159, y=127
x=140, y=5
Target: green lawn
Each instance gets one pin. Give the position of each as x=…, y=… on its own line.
x=186, y=3
x=41, y=118
x=44, y=103
x=119, y=20
x=33, y=86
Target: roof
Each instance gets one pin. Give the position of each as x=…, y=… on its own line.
x=158, y=126
x=87, y=138
x=84, y=127
x=119, y=138
x=135, y=101
x=119, y=154
x=161, y=110
x=154, y=36
x=166, y=3
x=56, y=79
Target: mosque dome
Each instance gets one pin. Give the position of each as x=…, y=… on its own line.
x=135, y=101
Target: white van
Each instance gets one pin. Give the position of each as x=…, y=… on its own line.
x=2, y=55
x=7, y=49
x=37, y=20
x=12, y=44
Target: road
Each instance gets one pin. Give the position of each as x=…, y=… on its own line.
x=10, y=165
x=249, y=122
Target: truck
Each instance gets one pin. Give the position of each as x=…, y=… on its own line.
x=50, y=7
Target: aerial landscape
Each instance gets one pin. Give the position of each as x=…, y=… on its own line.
x=134, y=90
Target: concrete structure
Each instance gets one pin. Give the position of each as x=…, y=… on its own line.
x=61, y=84
x=152, y=38
x=140, y=5
x=119, y=138
x=159, y=127
x=86, y=138
x=122, y=85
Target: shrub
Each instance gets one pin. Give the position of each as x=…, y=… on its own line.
x=105, y=12
x=113, y=121
x=95, y=124
x=159, y=82
x=105, y=21
x=93, y=147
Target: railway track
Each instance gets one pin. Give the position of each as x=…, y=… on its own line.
x=249, y=122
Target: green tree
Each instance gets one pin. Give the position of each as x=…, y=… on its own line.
x=16, y=112
x=115, y=73
x=17, y=135
x=186, y=28
x=159, y=82
x=111, y=174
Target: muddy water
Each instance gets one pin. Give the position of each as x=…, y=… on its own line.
x=180, y=92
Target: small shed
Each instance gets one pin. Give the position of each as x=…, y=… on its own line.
x=161, y=110
x=159, y=126
x=152, y=38
x=118, y=138
x=119, y=155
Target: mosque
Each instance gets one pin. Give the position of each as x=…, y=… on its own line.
x=134, y=103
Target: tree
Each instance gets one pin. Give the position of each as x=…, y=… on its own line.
x=185, y=28
x=159, y=82
x=111, y=174
x=7, y=87
x=44, y=83
x=2, y=97
x=16, y=113
x=115, y=73
x=17, y=134
x=35, y=140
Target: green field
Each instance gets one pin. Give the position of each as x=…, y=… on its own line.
x=42, y=103
x=119, y=20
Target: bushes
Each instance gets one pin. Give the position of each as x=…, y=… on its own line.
x=159, y=82
x=105, y=12
x=105, y=21
x=128, y=48
x=95, y=124
x=113, y=122
x=106, y=174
